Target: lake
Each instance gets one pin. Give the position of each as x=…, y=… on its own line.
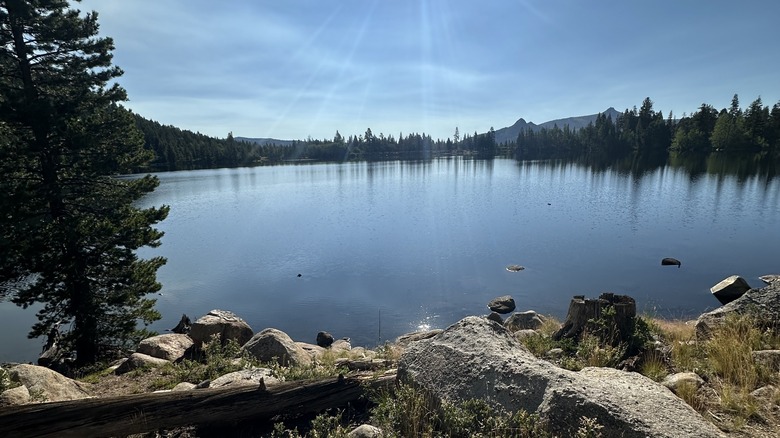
x=385, y=248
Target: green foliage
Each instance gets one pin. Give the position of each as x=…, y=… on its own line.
x=70, y=229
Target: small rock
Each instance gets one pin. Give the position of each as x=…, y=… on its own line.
x=525, y=333
x=730, y=289
x=366, y=431
x=184, y=386
x=675, y=381
x=514, y=268
x=767, y=392
x=524, y=320
x=248, y=377
x=769, y=279
x=341, y=345
x=554, y=353
x=503, y=304
x=495, y=317
x=668, y=261
x=324, y=339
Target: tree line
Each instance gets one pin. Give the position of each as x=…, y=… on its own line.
x=645, y=131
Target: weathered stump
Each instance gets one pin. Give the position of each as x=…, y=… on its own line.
x=616, y=312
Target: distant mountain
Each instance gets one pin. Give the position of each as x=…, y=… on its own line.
x=509, y=134
x=266, y=141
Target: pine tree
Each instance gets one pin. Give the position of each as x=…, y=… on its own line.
x=69, y=229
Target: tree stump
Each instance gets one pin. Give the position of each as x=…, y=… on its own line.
x=612, y=313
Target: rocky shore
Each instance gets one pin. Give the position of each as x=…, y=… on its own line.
x=480, y=357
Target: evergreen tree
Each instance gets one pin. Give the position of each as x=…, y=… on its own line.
x=68, y=228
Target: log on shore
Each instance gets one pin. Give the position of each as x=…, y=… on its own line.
x=131, y=414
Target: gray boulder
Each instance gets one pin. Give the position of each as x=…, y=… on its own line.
x=169, y=346
x=761, y=304
x=272, y=344
x=729, y=289
x=406, y=339
x=503, y=304
x=222, y=323
x=44, y=384
x=475, y=358
x=252, y=376
x=139, y=360
x=528, y=320
x=15, y=396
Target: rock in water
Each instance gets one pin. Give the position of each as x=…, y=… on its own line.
x=670, y=262
x=503, y=304
x=222, y=323
x=730, y=289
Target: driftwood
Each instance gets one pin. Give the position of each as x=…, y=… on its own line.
x=582, y=310
x=131, y=414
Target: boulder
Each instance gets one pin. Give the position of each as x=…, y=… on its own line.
x=223, y=323
x=324, y=339
x=252, y=376
x=730, y=289
x=315, y=352
x=44, y=384
x=365, y=431
x=761, y=304
x=525, y=333
x=139, y=360
x=770, y=359
x=272, y=344
x=170, y=347
x=475, y=358
x=675, y=381
x=15, y=396
x=524, y=321
x=503, y=304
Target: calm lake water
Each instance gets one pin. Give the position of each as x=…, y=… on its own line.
x=387, y=248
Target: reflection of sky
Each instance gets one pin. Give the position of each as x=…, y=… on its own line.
x=384, y=248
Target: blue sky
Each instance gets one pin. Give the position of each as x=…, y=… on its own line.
x=290, y=69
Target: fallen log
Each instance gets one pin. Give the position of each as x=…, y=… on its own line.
x=131, y=414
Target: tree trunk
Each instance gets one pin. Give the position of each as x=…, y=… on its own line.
x=131, y=414
x=619, y=323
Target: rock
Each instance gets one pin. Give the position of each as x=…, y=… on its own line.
x=44, y=384
x=763, y=305
x=495, y=317
x=272, y=344
x=223, y=323
x=408, y=338
x=170, y=346
x=503, y=304
x=15, y=396
x=554, y=353
x=314, y=351
x=524, y=320
x=769, y=279
x=184, y=386
x=362, y=352
x=341, y=345
x=139, y=360
x=675, y=381
x=249, y=377
x=669, y=261
x=475, y=358
x=770, y=359
x=767, y=393
x=324, y=339
x=184, y=325
x=525, y=333
x=366, y=431
x=730, y=289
